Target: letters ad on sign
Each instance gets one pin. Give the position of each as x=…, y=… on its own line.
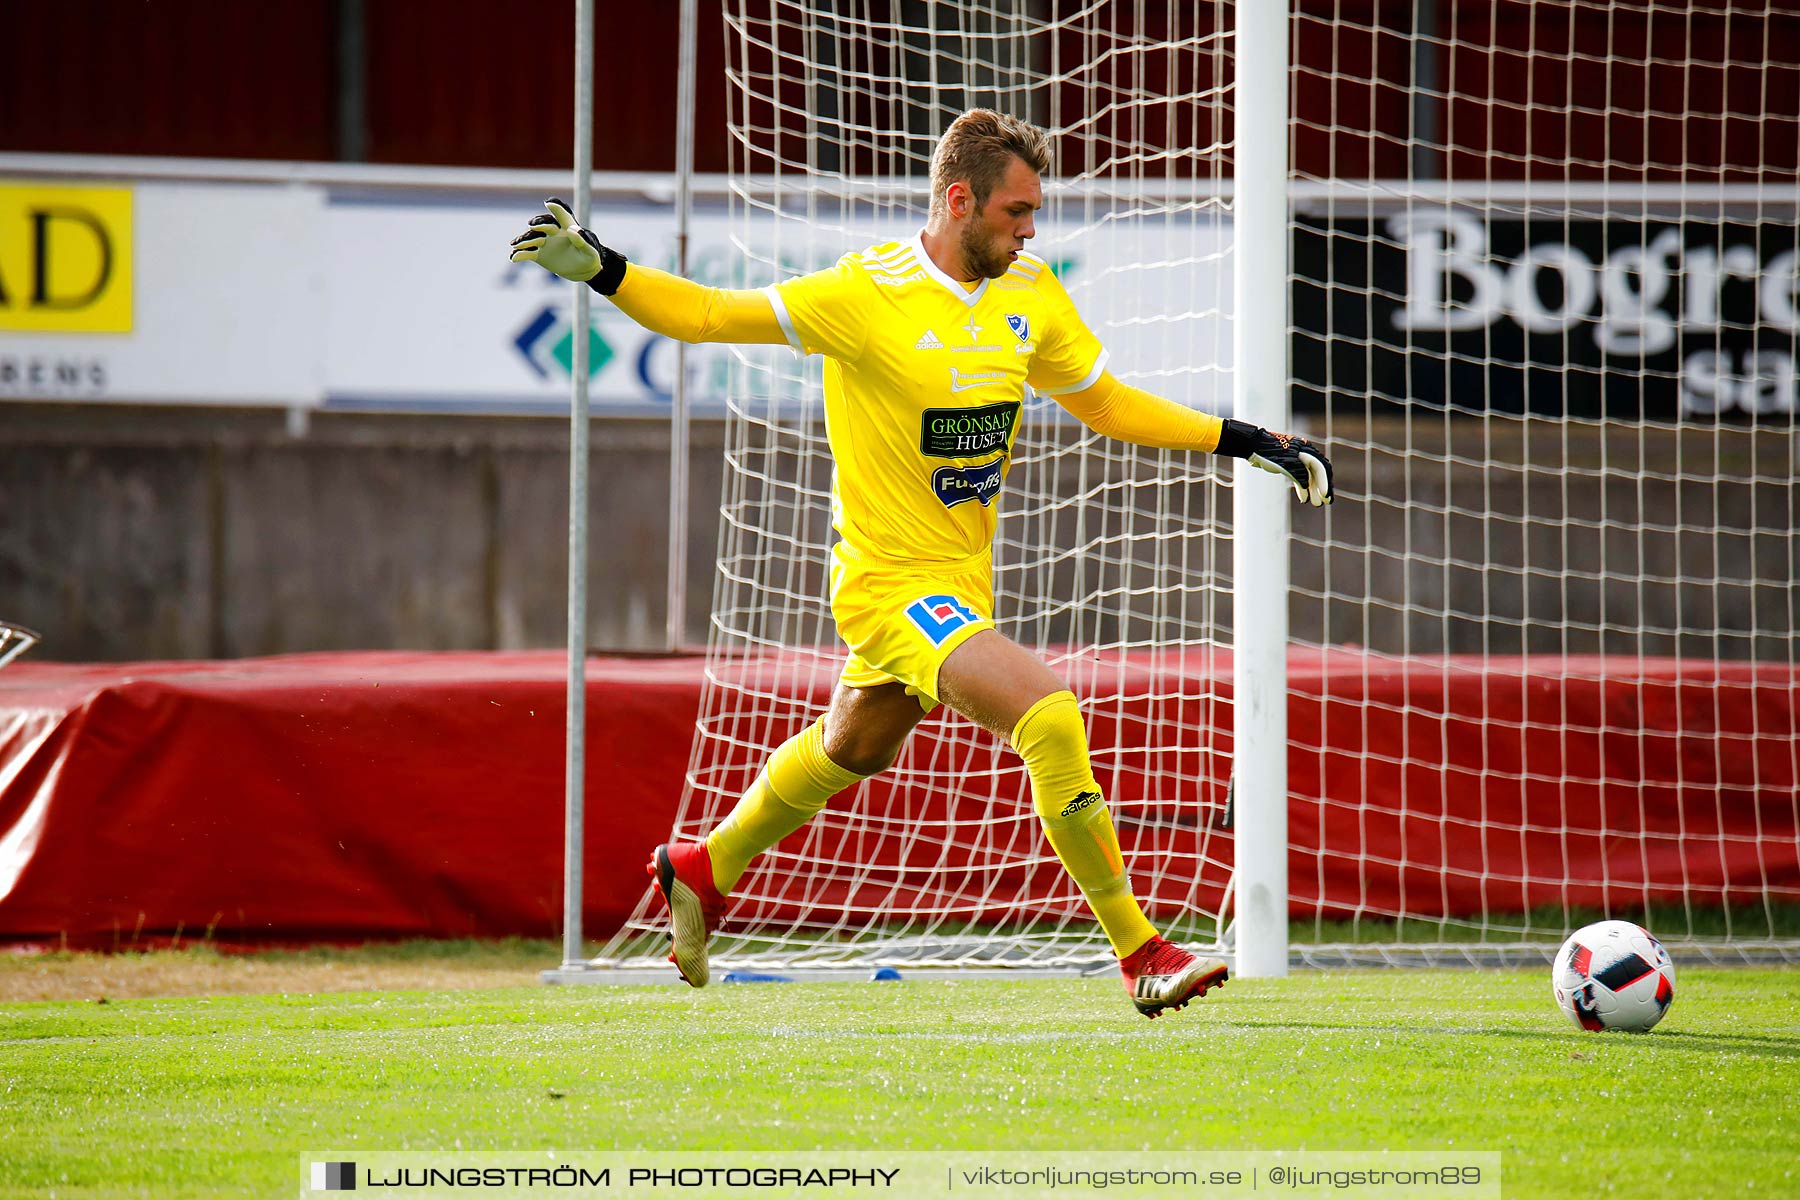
x=1692, y=317
x=161, y=292
x=65, y=259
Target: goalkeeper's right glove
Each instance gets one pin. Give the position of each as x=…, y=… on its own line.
x=1303, y=463
x=556, y=243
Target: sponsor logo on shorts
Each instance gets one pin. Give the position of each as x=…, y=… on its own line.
x=954, y=485
x=1081, y=801
x=967, y=432
x=937, y=617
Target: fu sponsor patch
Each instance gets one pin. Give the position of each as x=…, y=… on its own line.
x=967, y=432
x=953, y=485
x=937, y=617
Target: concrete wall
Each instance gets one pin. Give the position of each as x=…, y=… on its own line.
x=1614, y=539
x=139, y=533
x=147, y=533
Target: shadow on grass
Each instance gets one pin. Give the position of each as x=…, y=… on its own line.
x=1744, y=922
x=1764, y=1044
x=1759, y=1043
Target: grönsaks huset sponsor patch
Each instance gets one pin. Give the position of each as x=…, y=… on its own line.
x=967, y=432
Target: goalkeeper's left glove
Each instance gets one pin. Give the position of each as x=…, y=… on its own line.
x=556, y=243
x=1303, y=463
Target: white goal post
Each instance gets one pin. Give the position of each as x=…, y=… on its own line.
x=1536, y=663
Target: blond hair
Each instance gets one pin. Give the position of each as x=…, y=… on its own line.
x=978, y=148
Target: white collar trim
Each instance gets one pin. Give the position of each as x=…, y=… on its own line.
x=956, y=289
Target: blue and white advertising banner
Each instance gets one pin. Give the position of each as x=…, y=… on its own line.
x=471, y=330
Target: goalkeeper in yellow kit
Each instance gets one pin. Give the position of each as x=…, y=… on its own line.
x=929, y=345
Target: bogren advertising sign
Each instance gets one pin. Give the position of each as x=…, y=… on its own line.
x=1555, y=314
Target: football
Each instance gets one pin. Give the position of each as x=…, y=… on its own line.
x=1613, y=975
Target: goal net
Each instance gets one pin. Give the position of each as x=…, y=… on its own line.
x=1543, y=312
x=1542, y=657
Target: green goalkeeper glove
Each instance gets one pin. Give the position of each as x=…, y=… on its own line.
x=1303, y=463
x=556, y=243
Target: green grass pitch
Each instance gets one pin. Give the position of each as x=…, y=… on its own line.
x=218, y=1097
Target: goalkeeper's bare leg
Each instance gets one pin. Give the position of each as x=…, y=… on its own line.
x=1012, y=693
x=860, y=735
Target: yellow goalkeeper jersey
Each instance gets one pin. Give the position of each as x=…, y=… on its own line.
x=925, y=384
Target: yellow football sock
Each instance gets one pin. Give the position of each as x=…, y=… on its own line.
x=794, y=785
x=1052, y=741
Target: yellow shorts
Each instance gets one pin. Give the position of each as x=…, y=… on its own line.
x=901, y=622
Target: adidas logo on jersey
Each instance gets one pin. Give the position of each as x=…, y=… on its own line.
x=928, y=342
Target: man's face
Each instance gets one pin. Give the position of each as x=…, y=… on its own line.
x=996, y=232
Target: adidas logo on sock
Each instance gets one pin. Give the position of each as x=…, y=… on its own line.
x=1081, y=801
x=928, y=342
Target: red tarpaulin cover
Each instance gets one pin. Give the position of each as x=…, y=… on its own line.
x=328, y=795
x=359, y=795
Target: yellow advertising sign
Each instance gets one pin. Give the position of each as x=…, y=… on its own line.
x=65, y=258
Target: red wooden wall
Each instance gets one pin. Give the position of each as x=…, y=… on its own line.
x=1546, y=89
x=465, y=82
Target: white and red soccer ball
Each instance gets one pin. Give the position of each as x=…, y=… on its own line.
x=1613, y=975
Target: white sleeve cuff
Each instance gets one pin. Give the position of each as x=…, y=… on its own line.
x=1088, y=381
x=787, y=322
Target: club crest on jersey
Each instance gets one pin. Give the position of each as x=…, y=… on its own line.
x=937, y=617
x=954, y=485
x=1020, y=325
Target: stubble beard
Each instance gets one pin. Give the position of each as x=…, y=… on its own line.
x=983, y=254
